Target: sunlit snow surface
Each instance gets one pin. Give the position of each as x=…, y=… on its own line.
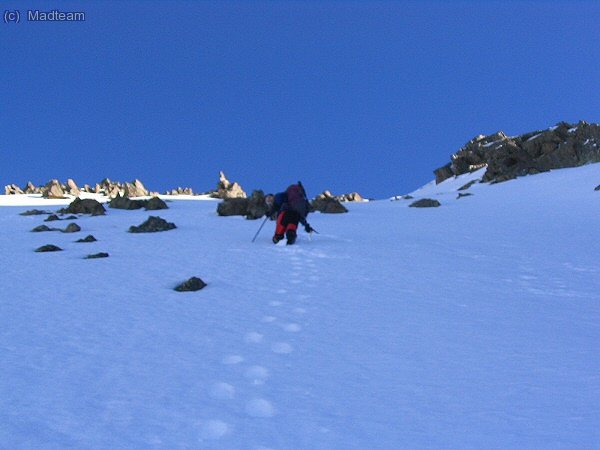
x=471, y=325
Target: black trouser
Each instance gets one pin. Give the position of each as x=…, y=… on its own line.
x=287, y=222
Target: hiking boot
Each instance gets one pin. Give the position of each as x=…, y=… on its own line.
x=291, y=237
x=277, y=238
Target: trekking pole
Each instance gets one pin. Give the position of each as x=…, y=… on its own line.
x=261, y=226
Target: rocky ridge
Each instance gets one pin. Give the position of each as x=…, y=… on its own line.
x=507, y=157
x=57, y=190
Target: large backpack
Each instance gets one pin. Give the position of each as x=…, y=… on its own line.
x=296, y=199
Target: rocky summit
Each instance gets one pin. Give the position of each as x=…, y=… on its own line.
x=507, y=157
x=227, y=189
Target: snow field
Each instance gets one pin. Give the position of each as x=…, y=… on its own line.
x=472, y=325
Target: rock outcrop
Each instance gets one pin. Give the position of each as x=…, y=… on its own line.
x=425, y=203
x=152, y=225
x=85, y=206
x=251, y=208
x=53, y=189
x=180, y=191
x=233, y=207
x=135, y=189
x=31, y=189
x=328, y=204
x=48, y=248
x=155, y=204
x=42, y=228
x=352, y=197
x=72, y=228
x=120, y=202
x=88, y=238
x=257, y=207
x=191, y=285
x=97, y=255
x=34, y=212
x=12, y=189
x=72, y=188
x=227, y=189
x=506, y=157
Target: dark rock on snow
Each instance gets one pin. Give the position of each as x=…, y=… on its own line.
x=72, y=228
x=85, y=206
x=327, y=204
x=193, y=284
x=152, y=225
x=120, y=202
x=233, y=207
x=252, y=208
x=257, y=207
x=597, y=188
x=34, y=212
x=443, y=173
x=51, y=218
x=467, y=186
x=461, y=195
x=48, y=248
x=88, y=238
x=155, y=203
x=425, y=203
x=97, y=255
x=41, y=228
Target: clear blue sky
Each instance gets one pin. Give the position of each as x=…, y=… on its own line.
x=346, y=96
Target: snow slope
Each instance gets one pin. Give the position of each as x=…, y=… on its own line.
x=472, y=325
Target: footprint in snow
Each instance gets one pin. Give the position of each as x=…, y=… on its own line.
x=222, y=391
x=268, y=319
x=257, y=373
x=232, y=359
x=253, y=337
x=259, y=407
x=213, y=429
x=292, y=327
x=282, y=348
